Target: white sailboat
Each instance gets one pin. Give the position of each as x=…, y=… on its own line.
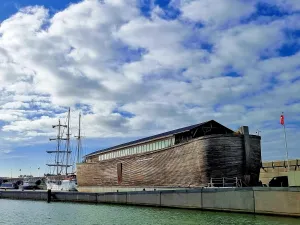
x=63, y=183
x=61, y=179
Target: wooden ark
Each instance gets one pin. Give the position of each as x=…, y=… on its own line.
x=191, y=161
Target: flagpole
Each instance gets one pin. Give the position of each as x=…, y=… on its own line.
x=286, y=149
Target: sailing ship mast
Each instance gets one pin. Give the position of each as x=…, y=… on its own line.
x=79, y=146
x=68, y=142
x=59, y=160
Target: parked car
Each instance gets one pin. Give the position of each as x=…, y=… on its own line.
x=9, y=186
x=281, y=181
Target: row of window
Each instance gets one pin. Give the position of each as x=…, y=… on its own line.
x=138, y=149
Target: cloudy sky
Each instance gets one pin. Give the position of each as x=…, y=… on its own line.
x=135, y=68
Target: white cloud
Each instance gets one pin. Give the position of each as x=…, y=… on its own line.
x=244, y=45
x=290, y=5
x=5, y=151
x=15, y=105
x=215, y=12
x=134, y=75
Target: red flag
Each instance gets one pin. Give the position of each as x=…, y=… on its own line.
x=282, y=119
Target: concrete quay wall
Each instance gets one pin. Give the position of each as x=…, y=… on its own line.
x=262, y=200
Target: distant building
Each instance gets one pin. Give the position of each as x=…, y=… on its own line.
x=270, y=169
x=186, y=157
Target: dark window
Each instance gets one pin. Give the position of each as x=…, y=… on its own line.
x=119, y=171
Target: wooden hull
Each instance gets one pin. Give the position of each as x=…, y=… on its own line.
x=190, y=164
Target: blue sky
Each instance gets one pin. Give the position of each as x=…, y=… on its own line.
x=10, y=7
x=136, y=68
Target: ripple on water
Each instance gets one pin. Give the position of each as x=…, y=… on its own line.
x=33, y=212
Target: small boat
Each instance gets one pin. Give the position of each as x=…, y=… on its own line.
x=30, y=184
x=9, y=185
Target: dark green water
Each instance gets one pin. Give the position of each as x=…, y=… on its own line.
x=33, y=212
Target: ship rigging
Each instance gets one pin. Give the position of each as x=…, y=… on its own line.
x=61, y=162
x=60, y=177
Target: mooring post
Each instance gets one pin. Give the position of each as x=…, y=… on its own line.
x=49, y=196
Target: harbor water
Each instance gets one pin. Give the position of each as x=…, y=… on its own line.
x=37, y=212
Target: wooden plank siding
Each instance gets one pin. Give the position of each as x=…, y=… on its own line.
x=190, y=164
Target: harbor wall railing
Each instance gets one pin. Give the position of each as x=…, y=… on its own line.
x=260, y=200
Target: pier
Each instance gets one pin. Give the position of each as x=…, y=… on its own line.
x=256, y=200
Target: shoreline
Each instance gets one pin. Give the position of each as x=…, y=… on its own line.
x=256, y=200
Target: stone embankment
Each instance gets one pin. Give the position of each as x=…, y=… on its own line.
x=262, y=200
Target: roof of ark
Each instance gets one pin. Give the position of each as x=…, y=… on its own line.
x=157, y=136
